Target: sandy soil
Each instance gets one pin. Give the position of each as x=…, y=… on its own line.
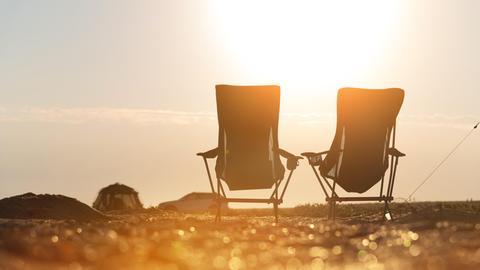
x=428, y=237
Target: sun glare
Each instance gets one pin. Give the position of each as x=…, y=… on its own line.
x=300, y=41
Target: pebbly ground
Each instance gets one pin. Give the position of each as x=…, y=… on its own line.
x=423, y=236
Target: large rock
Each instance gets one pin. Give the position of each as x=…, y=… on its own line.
x=46, y=206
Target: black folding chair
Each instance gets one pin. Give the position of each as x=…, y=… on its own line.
x=248, y=155
x=363, y=147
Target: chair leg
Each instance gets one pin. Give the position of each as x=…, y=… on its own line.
x=334, y=214
x=329, y=216
x=275, y=211
x=387, y=214
x=334, y=210
x=219, y=214
x=218, y=217
x=275, y=204
x=333, y=202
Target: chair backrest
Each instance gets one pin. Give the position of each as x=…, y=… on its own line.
x=247, y=136
x=358, y=157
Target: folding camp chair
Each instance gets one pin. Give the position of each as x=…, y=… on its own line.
x=363, y=146
x=248, y=155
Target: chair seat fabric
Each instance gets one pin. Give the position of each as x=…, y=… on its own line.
x=358, y=156
x=247, y=138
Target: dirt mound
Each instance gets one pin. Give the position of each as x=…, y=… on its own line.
x=46, y=206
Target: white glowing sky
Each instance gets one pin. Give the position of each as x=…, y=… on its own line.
x=97, y=92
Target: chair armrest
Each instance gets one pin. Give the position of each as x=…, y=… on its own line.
x=313, y=154
x=292, y=160
x=394, y=152
x=288, y=155
x=314, y=159
x=209, y=154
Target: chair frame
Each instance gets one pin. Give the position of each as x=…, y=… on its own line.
x=274, y=198
x=315, y=159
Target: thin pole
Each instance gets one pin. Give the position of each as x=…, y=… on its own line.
x=381, y=186
x=286, y=185
x=219, y=202
x=223, y=190
x=209, y=175
x=393, y=178
x=275, y=204
x=273, y=193
x=320, y=181
x=443, y=161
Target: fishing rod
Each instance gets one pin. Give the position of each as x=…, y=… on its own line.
x=443, y=160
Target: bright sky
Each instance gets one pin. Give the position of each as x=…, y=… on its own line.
x=95, y=92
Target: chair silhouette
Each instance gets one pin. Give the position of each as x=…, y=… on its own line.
x=363, y=147
x=248, y=155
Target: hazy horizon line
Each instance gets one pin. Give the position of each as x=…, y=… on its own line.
x=78, y=115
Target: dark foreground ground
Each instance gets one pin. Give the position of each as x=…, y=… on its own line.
x=423, y=236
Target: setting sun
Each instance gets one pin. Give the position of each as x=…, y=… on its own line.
x=299, y=41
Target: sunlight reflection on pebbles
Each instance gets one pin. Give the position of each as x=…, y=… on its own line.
x=236, y=263
x=317, y=264
x=123, y=246
x=112, y=234
x=366, y=257
x=219, y=262
x=236, y=252
x=226, y=239
x=90, y=254
x=294, y=264
x=365, y=242
x=54, y=239
x=271, y=237
x=318, y=252
x=240, y=244
x=265, y=257
x=415, y=250
x=251, y=261
x=337, y=250
x=291, y=251
x=262, y=245
x=413, y=236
